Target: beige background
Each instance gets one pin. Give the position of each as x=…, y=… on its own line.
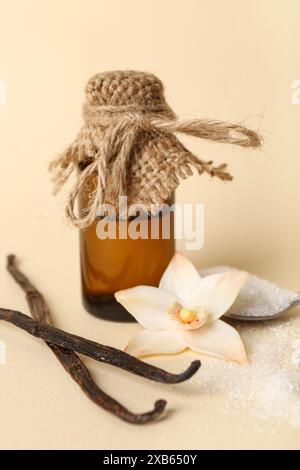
x=233, y=60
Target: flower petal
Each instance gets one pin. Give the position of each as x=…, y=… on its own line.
x=150, y=306
x=217, y=339
x=216, y=293
x=181, y=277
x=147, y=342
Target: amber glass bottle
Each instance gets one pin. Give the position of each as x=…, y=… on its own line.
x=127, y=145
x=112, y=264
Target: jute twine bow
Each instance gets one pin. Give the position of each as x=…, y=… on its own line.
x=127, y=146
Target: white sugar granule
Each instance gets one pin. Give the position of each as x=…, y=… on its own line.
x=268, y=388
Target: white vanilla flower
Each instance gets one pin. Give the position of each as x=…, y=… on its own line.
x=184, y=312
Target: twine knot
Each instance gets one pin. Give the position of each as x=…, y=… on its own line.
x=127, y=145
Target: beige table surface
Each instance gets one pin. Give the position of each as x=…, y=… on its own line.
x=225, y=60
x=41, y=407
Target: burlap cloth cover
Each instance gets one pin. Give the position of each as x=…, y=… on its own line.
x=127, y=141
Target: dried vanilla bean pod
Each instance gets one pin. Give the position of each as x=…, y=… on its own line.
x=38, y=307
x=80, y=374
x=100, y=352
x=71, y=362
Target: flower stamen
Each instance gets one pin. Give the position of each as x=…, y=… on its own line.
x=187, y=316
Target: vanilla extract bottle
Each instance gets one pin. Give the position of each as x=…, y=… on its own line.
x=127, y=257
x=127, y=147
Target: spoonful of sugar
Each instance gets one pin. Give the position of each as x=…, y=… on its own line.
x=259, y=299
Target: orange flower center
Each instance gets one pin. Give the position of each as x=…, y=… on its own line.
x=187, y=316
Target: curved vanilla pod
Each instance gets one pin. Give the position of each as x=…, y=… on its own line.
x=100, y=352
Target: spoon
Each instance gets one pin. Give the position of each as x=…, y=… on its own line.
x=259, y=299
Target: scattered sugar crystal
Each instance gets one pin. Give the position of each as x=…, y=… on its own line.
x=296, y=344
x=295, y=357
x=268, y=389
x=259, y=298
